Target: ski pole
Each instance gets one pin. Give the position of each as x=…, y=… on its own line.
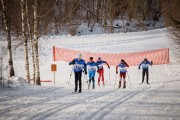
x=105, y=81
x=138, y=75
x=128, y=78
x=70, y=75
x=1, y=77
x=88, y=83
x=151, y=69
x=84, y=81
x=115, y=81
x=109, y=76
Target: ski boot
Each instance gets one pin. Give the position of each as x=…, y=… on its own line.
x=89, y=85
x=147, y=81
x=103, y=83
x=99, y=84
x=93, y=87
x=119, y=84
x=124, y=86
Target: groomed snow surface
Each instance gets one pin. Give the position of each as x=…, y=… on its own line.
x=158, y=101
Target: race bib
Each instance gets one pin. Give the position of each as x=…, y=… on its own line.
x=145, y=66
x=100, y=66
x=123, y=69
x=92, y=68
x=78, y=66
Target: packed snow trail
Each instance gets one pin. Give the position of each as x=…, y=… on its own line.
x=26, y=94
x=159, y=100
x=142, y=101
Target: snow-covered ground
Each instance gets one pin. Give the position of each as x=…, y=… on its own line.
x=158, y=101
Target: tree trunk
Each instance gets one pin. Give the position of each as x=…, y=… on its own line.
x=33, y=58
x=36, y=44
x=98, y=10
x=8, y=36
x=148, y=9
x=30, y=31
x=88, y=14
x=24, y=36
x=105, y=13
x=66, y=9
x=111, y=16
x=132, y=13
x=143, y=10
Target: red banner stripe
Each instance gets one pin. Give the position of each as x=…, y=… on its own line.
x=160, y=56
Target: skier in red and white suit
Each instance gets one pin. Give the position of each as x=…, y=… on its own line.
x=101, y=69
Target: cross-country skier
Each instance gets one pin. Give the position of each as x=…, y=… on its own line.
x=101, y=69
x=79, y=67
x=91, y=66
x=123, y=69
x=145, y=64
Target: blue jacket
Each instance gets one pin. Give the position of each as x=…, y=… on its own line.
x=91, y=66
x=145, y=65
x=79, y=65
x=100, y=64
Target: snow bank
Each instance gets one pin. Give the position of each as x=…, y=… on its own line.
x=16, y=82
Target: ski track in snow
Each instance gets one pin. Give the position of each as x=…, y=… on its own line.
x=63, y=106
x=101, y=113
x=60, y=107
x=159, y=100
x=25, y=94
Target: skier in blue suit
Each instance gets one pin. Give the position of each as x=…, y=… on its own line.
x=79, y=67
x=145, y=65
x=91, y=66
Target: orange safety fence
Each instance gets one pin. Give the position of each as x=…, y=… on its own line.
x=45, y=81
x=159, y=56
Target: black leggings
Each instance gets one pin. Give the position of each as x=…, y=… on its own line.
x=78, y=79
x=93, y=81
x=145, y=72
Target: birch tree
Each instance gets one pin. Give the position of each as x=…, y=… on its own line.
x=30, y=31
x=25, y=39
x=8, y=37
x=36, y=44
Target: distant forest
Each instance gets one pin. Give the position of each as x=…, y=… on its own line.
x=54, y=16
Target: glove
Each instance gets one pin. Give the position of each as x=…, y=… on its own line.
x=139, y=68
x=151, y=62
x=116, y=72
x=109, y=67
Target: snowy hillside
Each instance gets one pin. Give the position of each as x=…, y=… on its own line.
x=159, y=100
